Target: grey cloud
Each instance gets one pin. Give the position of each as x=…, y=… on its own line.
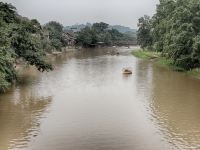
x=123, y=12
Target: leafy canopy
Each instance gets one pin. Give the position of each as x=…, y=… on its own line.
x=20, y=39
x=174, y=30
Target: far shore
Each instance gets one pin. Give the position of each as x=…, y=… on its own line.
x=159, y=60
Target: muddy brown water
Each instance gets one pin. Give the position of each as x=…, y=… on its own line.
x=86, y=103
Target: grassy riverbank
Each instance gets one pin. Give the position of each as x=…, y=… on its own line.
x=145, y=54
x=164, y=62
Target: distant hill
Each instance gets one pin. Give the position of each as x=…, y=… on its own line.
x=77, y=27
x=125, y=30
x=122, y=29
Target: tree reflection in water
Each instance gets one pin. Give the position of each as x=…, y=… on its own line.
x=21, y=114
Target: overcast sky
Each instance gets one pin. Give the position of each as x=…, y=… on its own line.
x=68, y=12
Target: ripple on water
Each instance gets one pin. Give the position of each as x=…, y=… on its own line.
x=86, y=103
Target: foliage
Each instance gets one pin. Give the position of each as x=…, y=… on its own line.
x=55, y=30
x=100, y=27
x=174, y=31
x=100, y=33
x=20, y=39
x=7, y=12
x=157, y=58
x=145, y=54
x=7, y=73
x=144, y=37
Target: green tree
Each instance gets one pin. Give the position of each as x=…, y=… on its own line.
x=175, y=32
x=100, y=27
x=55, y=30
x=100, y=32
x=20, y=39
x=28, y=47
x=144, y=36
x=7, y=13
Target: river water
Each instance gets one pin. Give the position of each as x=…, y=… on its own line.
x=86, y=103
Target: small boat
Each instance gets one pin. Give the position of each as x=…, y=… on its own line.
x=127, y=71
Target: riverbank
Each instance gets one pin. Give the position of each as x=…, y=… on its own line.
x=164, y=62
x=91, y=81
x=20, y=66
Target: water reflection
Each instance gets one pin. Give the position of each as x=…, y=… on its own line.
x=20, y=117
x=91, y=105
x=171, y=101
x=175, y=105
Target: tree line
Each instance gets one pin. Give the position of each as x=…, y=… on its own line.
x=174, y=30
x=101, y=33
x=26, y=40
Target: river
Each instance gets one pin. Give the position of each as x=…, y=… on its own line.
x=86, y=103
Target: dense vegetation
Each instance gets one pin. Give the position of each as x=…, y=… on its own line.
x=56, y=39
x=24, y=40
x=101, y=33
x=122, y=29
x=174, y=31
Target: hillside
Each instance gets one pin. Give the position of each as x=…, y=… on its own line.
x=120, y=28
x=123, y=29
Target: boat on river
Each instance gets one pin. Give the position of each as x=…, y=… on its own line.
x=127, y=71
